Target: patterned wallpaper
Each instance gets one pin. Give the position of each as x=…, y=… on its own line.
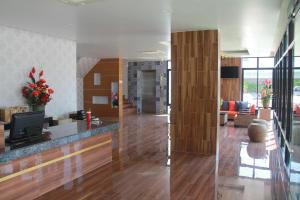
x=84, y=65
x=20, y=50
x=134, y=83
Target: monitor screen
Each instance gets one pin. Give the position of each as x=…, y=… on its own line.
x=26, y=125
x=230, y=72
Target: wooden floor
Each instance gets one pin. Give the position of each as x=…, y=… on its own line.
x=143, y=169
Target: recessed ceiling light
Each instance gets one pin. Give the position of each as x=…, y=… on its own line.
x=243, y=52
x=153, y=52
x=78, y=2
x=165, y=43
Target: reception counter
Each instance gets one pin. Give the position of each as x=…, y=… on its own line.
x=68, y=152
x=54, y=137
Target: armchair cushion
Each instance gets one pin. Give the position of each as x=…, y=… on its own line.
x=237, y=105
x=225, y=106
x=232, y=106
x=244, y=105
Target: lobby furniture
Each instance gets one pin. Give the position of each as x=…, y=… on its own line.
x=79, y=115
x=260, y=121
x=223, y=118
x=233, y=108
x=48, y=122
x=244, y=120
x=64, y=121
x=257, y=132
x=56, y=138
x=265, y=114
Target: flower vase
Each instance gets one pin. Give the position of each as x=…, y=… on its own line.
x=266, y=102
x=36, y=108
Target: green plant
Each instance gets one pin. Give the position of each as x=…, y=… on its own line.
x=266, y=93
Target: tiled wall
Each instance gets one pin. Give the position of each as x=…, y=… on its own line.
x=134, y=86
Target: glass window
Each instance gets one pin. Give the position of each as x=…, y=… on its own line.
x=297, y=61
x=263, y=75
x=249, y=62
x=169, y=65
x=250, y=86
x=170, y=87
x=253, y=78
x=97, y=79
x=266, y=62
x=295, y=123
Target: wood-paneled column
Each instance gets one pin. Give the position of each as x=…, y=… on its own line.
x=195, y=91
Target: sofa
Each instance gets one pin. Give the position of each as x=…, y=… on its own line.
x=233, y=108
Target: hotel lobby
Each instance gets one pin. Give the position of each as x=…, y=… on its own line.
x=149, y=100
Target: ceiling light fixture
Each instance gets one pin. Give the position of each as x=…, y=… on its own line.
x=238, y=53
x=78, y=2
x=165, y=43
x=153, y=52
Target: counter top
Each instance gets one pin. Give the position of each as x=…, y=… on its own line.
x=57, y=136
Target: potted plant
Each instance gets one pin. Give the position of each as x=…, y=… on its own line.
x=266, y=93
x=37, y=92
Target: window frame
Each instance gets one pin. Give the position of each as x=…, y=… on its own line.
x=258, y=68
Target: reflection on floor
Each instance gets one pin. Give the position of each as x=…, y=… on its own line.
x=255, y=166
x=143, y=168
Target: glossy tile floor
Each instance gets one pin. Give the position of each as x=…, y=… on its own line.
x=143, y=168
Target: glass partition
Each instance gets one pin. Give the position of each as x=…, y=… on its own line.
x=256, y=70
x=250, y=86
x=295, y=129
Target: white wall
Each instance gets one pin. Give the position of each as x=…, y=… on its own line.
x=20, y=50
x=84, y=65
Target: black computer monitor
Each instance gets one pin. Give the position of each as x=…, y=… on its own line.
x=26, y=126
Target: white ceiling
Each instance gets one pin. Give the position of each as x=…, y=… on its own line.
x=127, y=28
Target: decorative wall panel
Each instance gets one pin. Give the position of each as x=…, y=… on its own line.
x=111, y=71
x=195, y=91
x=84, y=65
x=231, y=87
x=134, y=86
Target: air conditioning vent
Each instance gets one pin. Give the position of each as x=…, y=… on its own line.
x=235, y=53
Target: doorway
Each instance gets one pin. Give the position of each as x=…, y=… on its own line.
x=149, y=91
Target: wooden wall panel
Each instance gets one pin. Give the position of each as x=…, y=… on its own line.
x=231, y=87
x=2, y=137
x=195, y=91
x=111, y=71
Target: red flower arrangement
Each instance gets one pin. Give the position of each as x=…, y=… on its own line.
x=37, y=92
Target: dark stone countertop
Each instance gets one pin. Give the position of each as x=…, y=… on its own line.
x=56, y=136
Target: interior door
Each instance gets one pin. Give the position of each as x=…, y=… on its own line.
x=148, y=92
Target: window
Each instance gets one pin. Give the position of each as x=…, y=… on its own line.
x=255, y=71
x=169, y=86
x=266, y=62
x=249, y=62
x=97, y=79
x=263, y=75
x=250, y=86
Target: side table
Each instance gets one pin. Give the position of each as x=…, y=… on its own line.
x=265, y=113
